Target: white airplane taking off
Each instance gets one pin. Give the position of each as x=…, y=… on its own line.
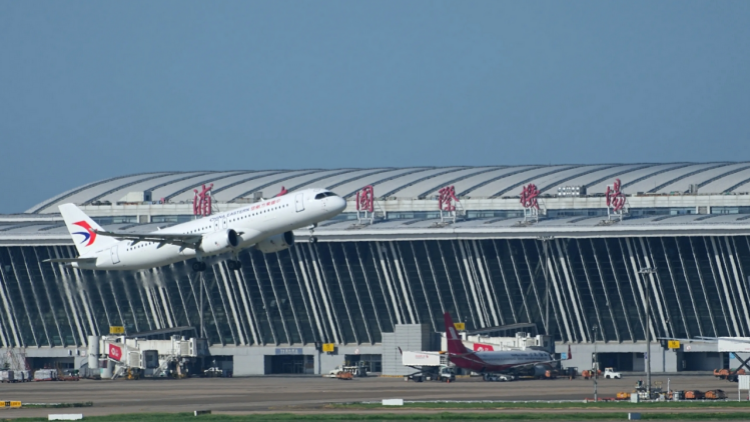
x=265, y=225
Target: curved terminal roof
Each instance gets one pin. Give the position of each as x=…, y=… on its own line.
x=417, y=182
x=55, y=233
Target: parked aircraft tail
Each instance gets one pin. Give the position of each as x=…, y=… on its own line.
x=83, y=230
x=455, y=345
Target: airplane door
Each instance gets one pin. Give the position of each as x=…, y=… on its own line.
x=217, y=224
x=224, y=223
x=114, y=255
x=299, y=202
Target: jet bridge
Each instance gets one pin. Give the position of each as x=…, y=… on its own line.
x=177, y=356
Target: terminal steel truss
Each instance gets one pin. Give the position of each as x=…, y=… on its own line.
x=350, y=292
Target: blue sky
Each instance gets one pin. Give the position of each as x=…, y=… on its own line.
x=92, y=90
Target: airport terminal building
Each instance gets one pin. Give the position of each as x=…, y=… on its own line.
x=577, y=272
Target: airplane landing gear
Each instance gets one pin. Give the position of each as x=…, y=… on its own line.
x=199, y=266
x=234, y=264
x=312, y=238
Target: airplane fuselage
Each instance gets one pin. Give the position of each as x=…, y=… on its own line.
x=500, y=360
x=253, y=223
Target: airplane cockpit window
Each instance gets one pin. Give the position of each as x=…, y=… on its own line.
x=324, y=194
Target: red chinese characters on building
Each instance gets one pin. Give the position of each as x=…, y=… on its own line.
x=202, y=201
x=529, y=196
x=447, y=199
x=615, y=198
x=115, y=352
x=366, y=199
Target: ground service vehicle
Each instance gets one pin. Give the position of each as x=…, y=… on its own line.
x=499, y=377
x=610, y=373
x=430, y=366
x=443, y=373
x=347, y=372
x=589, y=373
x=571, y=372
x=715, y=395
x=729, y=374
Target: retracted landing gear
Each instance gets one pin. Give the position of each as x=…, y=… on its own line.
x=199, y=266
x=234, y=264
x=312, y=238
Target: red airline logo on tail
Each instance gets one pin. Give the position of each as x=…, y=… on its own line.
x=89, y=234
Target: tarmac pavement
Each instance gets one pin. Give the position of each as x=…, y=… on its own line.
x=306, y=394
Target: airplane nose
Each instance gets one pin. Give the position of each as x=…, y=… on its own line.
x=340, y=204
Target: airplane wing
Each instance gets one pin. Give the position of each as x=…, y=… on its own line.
x=470, y=356
x=568, y=357
x=525, y=365
x=71, y=260
x=191, y=241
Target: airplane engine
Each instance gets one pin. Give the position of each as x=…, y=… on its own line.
x=219, y=242
x=540, y=371
x=276, y=243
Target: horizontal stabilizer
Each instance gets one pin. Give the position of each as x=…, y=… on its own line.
x=71, y=260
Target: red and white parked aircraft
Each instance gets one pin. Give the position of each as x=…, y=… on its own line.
x=500, y=361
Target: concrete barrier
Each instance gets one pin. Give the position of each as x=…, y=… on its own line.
x=65, y=417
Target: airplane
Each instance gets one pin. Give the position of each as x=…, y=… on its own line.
x=489, y=362
x=266, y=225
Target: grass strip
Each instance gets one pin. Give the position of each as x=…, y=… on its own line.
x=625, y=405
x=444, y=416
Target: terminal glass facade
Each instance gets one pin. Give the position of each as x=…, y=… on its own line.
x=350, y=292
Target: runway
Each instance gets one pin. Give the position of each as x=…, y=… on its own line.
x=304, y=393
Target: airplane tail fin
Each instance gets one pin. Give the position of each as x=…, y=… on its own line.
x=570, y=354
x=455, y=345
x=83, y=230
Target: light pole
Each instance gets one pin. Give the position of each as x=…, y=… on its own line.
x=649, y=271
x=596, y=367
